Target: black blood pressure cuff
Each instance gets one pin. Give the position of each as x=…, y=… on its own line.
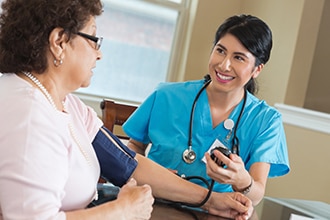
x=116, y=159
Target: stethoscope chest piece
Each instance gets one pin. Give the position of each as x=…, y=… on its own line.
x=189, y=155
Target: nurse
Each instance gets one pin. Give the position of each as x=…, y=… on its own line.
x=184, y=121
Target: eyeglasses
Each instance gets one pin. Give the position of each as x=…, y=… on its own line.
x=97, y=40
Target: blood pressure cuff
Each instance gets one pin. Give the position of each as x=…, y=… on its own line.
x=116, y=159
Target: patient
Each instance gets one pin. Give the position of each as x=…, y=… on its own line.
x=48, y=166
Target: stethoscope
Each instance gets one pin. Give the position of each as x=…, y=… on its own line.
x=189, y=155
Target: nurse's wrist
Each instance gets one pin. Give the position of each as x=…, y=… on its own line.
x=244, y=190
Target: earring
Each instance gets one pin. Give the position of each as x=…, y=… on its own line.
x=58, y=63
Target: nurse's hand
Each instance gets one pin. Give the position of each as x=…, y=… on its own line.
x=231, y=205
x=252, y=183
x=233, y=173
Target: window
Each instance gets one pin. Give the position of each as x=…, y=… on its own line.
x=137, y=48
x=142, y=46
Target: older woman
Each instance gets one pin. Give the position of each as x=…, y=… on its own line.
x=48, y=166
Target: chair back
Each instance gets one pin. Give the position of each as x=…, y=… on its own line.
x=115, y=114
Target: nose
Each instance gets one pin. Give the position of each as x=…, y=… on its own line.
x=225, y=64
x=99, y=55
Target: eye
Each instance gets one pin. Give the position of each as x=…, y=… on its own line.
x=220, y=50
x=239, y=58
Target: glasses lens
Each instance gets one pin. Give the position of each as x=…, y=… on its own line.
x=99, y=43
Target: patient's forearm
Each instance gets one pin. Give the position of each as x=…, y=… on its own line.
x=165, y=184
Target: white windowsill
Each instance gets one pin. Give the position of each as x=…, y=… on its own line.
x=300, y=117
x=94, y=101
x=305, y=118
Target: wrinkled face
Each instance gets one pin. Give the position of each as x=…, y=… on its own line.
x=82, y=56
x=231, y=65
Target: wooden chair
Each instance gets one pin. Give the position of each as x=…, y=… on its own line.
x=115, y=114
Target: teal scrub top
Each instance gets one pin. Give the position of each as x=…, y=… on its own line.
x=163, y=119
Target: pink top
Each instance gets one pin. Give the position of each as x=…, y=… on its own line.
x=47, y=162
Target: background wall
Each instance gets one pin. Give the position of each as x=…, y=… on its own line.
x=318, y=91
x=295, y=25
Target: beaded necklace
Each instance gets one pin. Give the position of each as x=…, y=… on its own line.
x=50, y=99
x=72, y=133
x=41, y=87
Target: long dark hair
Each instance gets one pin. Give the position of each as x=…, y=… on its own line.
x=254, y=34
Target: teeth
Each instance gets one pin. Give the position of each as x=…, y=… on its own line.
x=224, y=77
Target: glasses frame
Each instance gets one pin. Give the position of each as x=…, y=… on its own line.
x=97, y=40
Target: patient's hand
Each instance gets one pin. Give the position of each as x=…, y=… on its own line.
x=136, y=200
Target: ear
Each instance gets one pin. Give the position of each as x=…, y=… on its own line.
x=58, y=41
x=257, y=70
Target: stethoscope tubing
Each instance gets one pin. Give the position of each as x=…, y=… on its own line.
x=235, y=140
x=235, y=144
x=192, y=112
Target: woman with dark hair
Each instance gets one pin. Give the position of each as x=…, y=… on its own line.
x=185, y=121
x=50, y=141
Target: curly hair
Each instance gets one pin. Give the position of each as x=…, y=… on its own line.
x=25, y=27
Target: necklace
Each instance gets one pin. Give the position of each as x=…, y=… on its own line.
x=41, y=87
x=74, y=136
x=50, y=99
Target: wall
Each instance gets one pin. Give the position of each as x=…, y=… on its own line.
x=318, y=91
x=301, y=70
x=282, y=16
x=209, y=14
x=285, y=77
x=310, y=170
